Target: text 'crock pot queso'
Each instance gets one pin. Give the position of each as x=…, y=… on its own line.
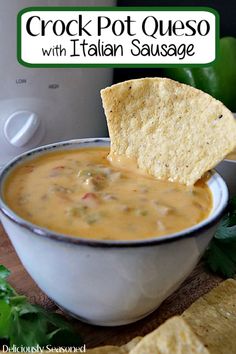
x=173, y=133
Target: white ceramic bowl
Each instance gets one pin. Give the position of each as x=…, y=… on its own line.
x=108, y=282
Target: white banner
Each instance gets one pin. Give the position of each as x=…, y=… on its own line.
x=147, y=37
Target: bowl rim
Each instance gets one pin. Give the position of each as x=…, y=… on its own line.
x=229, y=160
x=44, y=232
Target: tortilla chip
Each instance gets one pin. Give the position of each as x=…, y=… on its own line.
x=130, y=345
x=223, y=298
x=110, y=349
x=107, y=349
x=212, y=318
x=170, y=130
x=173, y=337
x=206, y=327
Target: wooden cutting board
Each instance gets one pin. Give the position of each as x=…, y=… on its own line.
x=198, y=283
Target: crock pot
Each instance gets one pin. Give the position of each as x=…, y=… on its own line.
x=41, y=106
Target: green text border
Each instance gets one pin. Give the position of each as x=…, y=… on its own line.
x=128, y=8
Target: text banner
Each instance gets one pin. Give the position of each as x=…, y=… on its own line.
x=116, y=37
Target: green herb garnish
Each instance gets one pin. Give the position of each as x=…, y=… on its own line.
x=23, y=324
x=221, y=254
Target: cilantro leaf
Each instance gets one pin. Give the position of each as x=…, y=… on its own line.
x=226, y=231
x=221, y=254
x=5, y=319
x=29, y=331
x=24, y=324
x=219, y=261
x=4, y=272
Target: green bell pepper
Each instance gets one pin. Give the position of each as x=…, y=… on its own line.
x=217, y=79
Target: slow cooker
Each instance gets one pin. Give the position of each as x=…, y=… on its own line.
x=41, y=106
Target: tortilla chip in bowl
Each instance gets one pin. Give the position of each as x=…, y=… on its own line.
x=169, y=130
x=157, y=126
x=105, y=282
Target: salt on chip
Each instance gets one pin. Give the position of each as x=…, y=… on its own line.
x=173, y=337
x=169, y=130
x=212, y=318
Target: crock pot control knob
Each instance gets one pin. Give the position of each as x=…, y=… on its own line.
x=20, y=127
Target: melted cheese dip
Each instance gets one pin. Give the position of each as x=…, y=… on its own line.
x=79, y=193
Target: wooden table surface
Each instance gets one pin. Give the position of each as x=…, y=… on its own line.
x=198, y=283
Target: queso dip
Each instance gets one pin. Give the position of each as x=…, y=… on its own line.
x=79, y=193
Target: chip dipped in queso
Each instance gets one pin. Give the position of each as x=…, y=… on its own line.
x=231, y=156
x=79, y=193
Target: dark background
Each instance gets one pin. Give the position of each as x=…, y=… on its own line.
x=226, y=9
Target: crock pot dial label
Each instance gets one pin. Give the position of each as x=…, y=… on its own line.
x=117, y=36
